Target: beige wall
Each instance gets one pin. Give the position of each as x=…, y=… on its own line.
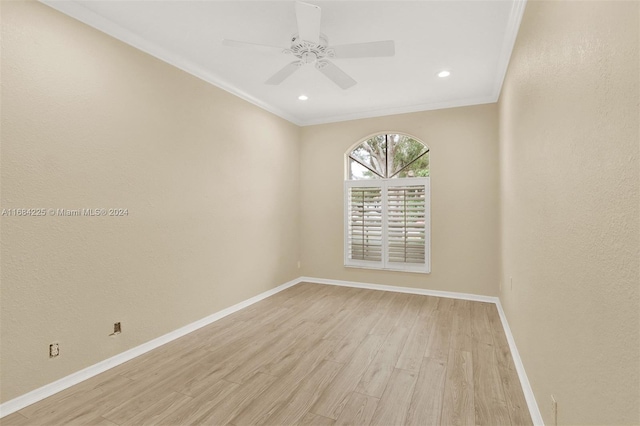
x=210, y=181
x=464, y=198
x=569, y=190
x=213, y=183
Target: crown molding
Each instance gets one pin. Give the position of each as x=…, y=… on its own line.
x=509, y=41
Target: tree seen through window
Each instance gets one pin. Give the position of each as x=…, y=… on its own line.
x=387, y=156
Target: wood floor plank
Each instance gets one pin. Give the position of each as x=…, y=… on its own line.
x=489, y=400
x=229, y=407
x=150, y=389
x=221, y=332
x=416, y=344
x=346, y=347
x=358, y=310
x=269, y=354
x=328, y=301
x=393, y=407
x=169, y=366
x=246, y=334
x=216, y=366
x=287, y=359
x=101, y=421
x=15, y=419
x=428, y=395
x=221, y=362
x=311, y=419
x=308, y=292
x=357, y=330
x=440, y=336
x=445, y=304
x=293, y=410
x=497, y=330
x=377, y=303
x=480, y=326
x=358, y=411
x=397, y=304
x=516, y=402
x=78, y=400
x=76, y=412
x=458, y=405
x=461, y=336
x=157, y=412
x=429, y=305
x=334, y=398
x=209, y=398
x=287, y=298
x=375, y=378
x=211, y=369
x=333, y=307
x=260, y=409
x=410, y=312
x=90, y=421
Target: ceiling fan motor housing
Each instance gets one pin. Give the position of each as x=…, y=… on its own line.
x=309, y=52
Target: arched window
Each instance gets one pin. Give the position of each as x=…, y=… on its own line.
x=387, y=156
x=387, y=206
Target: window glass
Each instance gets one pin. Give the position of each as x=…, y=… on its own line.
x=389, y=156
x=358, y=172
x=408, y=157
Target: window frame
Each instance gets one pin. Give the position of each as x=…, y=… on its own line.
x=384, y=184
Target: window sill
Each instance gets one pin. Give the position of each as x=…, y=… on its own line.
x=375, y=268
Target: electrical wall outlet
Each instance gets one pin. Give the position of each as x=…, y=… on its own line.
x=54, y=350
x=554, y=410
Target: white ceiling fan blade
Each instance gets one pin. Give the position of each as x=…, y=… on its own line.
x=335, y=74
x=285, y=72
x=244, y=44
x=365, y=50
x=308, y=16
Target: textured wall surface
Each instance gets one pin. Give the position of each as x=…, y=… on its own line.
x=223, y=198
x=210, y=183
x=464, y=198
x=570, y=208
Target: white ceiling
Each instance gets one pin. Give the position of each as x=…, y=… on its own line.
x=473, y=39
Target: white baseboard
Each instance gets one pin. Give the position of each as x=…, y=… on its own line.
x=410, y=290
x=59, y=385
x=536, y=417
x=79, y=376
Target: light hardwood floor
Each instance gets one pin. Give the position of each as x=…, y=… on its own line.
x=312, y=355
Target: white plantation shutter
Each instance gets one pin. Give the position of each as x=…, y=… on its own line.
x=406, y=226
x=364, y=224
x=387, y=224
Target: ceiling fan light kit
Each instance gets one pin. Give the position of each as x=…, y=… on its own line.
x=310, y=46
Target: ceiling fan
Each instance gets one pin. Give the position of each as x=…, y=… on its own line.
x=310, y=46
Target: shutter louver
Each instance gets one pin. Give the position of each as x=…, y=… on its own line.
x=364, y=223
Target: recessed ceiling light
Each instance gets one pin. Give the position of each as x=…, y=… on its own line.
x=303, y=97
x=444, y=73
